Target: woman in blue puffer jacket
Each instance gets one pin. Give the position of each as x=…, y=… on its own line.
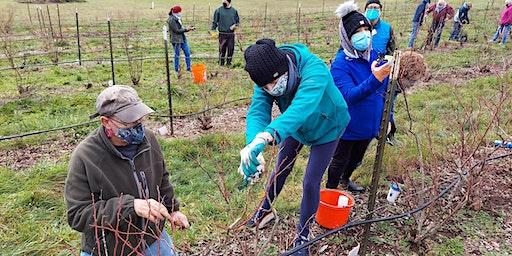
x=363, y=86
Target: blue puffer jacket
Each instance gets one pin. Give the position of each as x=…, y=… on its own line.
x=363, y=93
x=382, y=33
x=315, y=115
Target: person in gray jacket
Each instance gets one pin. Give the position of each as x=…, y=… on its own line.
x=178, y=38
x=117, y=191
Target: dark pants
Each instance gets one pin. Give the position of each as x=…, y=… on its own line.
x=347, y=158
x=226, y=46
x=392, y=116
x=319, y=159
x=438, y=31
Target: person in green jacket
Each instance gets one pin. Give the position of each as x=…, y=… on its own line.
x=117, y=191
x=314, y=113
x=226, y=20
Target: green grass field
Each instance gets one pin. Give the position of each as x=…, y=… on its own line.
x=33, y=169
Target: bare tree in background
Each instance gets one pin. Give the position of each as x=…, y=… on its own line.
x=8, y=47
x=132, y=42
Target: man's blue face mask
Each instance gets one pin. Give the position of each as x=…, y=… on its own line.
x=372, y=14
x=131, y=136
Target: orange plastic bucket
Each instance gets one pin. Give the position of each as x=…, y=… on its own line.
x=329, y=215
x=199, y=73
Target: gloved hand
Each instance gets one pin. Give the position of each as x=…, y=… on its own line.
x=249, y=155
x=381, y=72
x=214, y=34
x=260, y=168
x=233, y=27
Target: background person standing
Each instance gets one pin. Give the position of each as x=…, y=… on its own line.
x=441, y=12
x=505, y=24
x=178, y=38
x=417, y=21
x=460, y=18
x=383, y=38
x=226, y=20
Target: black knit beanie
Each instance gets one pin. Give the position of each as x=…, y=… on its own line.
x=373, y=2
x=353, y=21
x=264, y=62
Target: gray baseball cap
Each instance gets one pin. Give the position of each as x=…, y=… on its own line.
x=123, y=102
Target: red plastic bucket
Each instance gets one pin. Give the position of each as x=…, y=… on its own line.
x=329, y=215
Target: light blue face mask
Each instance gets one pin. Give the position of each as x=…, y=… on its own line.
x=280, y=87
x=372, y=14
x=361, y=40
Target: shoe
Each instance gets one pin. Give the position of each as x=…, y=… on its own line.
x=298, y=242
x=392, y=141
x=260, y=219
x=352, y=186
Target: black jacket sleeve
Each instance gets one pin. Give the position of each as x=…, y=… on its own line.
x=391, y=46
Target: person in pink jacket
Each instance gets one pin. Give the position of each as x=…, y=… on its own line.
x=505, y=24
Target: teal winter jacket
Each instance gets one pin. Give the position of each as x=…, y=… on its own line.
x=316, y=114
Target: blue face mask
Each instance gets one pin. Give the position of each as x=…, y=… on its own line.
x=132, y=136
x=280, y=87
x=372, y=14
x=361, y=40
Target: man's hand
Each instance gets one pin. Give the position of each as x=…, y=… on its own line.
x=381, y=72
x=151, y=209
x=178, y=219
x=190, y=28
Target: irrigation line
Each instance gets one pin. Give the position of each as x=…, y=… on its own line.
x=389, y=218
x=45, y=131
x=204, y=111
x=17, y=136
x=211, y=57
x=407, y=214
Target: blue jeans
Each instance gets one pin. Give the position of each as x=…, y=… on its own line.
x=504, y=30
x=414, y=33
x=457, y=26
x=177, y=51
x=165, y=244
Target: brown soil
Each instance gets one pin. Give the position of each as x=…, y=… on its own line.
x=460, y=76
x=27, y=156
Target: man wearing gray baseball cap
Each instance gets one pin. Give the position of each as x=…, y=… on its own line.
x=117, y=191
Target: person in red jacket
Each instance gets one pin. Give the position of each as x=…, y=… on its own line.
x=505, y=24
x=441, y=12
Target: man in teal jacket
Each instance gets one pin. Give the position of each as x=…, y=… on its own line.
x=314, y=113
